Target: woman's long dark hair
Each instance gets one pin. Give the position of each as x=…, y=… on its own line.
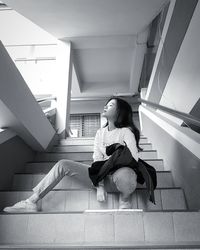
x=125, y=118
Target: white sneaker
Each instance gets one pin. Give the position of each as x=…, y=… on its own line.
x=22, y=207
x=124, y=204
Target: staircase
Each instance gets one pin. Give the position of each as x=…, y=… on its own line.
x=71, y=218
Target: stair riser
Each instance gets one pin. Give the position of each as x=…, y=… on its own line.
x=44, y=167
x=77, y=200
x=87, y=148
x=84, y=156
x=29, y=181
x=89, y=141
x=58, y=247
x=102, y=229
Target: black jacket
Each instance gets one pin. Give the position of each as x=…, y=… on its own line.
x=122, y=157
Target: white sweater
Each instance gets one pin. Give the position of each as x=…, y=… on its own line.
x=105, y=138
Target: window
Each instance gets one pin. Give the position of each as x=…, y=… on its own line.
x=84, y=125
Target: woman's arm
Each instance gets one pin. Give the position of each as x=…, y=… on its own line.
x=97, y=155
x=130, y=141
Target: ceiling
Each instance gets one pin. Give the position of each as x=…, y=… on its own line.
x=108, y=38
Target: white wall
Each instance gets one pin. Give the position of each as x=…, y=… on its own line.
x=16, y=29
x=63, y=87
x=25, y=115
x=183, y=86
x=37, y=64
x=179, y=148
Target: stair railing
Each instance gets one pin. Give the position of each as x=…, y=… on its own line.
x=48, y=105
x=184, y=116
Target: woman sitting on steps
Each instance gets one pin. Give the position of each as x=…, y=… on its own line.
x=119, y=129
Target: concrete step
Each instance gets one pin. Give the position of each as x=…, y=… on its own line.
x=89, y=141
x=44, y=167
x=88, y=148
x=64, y=247
x=84, y=156
x=102, y=229
x=28, y=181
x=81, y=200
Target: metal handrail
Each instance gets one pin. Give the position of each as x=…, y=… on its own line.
x=40, y=100
x=176, y=113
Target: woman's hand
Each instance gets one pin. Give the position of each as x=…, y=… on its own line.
x=101, y=194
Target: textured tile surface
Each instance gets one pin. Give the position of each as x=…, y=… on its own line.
x=128, y=226
x=173, y=199
x=145, y=204
x=94, y=204
x=22, y=182
x=8, y=199
x=187, y=226
x=158, y=227
x=69, y=228
x=157, y=164
x=134, y=200
x=41, y=228
x=99, y=227
x=54, y=201
x=164, y=179
x=148, y=155
x=13, y=229
x=77, y=200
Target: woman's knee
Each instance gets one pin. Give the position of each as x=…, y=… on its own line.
x=125, y=180
x=63, y=166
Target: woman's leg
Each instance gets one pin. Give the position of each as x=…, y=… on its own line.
x=125, y=181
x=59, y=170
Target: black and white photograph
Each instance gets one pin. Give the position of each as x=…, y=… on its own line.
x=100, y=124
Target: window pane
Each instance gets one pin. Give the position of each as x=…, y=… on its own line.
x=84, y=125
x=90, y=125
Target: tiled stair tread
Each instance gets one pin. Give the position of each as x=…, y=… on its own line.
x=84, y=156
x=88, y=138
x=53, y=163
x=46, y=166
x=91, y=151
x=147, y=246
x=91, y=146
x=102, y=229
x=85, y=148
x=80, y=200
x=63, y=145
x=62, y=220
x=28, y=181
x=146, y=154
x=118, y=246
x=89, y=141
x=150, y=161
x=164, y=178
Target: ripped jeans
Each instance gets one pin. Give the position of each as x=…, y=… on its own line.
x=124, y=180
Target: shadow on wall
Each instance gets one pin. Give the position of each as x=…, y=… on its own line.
x=14, y=154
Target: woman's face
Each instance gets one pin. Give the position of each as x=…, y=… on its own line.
x=110, y=110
